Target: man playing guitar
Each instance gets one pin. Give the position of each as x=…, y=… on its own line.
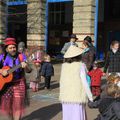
x=13, y=94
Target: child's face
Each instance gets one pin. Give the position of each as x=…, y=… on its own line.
x=94, y=66
x=37, y=64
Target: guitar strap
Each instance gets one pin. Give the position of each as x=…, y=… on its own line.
x=20, y=57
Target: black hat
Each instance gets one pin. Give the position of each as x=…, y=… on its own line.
x=88, y=38
x=73, y=36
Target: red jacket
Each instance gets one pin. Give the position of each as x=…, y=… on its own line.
x=95, y=76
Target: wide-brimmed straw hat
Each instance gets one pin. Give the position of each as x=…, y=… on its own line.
x=73, y=51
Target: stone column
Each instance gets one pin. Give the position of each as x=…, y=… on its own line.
x=36, y=23
x=3, y=19
x=83, y=19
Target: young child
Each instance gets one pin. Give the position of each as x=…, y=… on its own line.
x=95, y=74
x=109, y=106
x=47, y=70
x=35, y=78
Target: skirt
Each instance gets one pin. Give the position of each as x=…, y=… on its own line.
x=14, y=98
x=73, y=111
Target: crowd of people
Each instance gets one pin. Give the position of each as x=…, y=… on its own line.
x=80, y=79
x=14, y=62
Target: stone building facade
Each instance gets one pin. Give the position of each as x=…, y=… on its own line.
x=83, y=21
x=3, y=16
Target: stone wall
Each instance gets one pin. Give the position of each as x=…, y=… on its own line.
x=3, y=19
x=83, y=19
x=36, y=23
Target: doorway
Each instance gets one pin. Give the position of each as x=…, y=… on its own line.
x=60, y=20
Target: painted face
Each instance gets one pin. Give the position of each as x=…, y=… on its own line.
x=115, y=46
x=11, y=49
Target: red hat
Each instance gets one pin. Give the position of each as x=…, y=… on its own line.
x=10, y=41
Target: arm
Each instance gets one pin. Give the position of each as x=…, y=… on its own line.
x=91, y=58
x=64, y=49
x=43, y=69
x=116, y=108
x=94, y=104
x=106, y=63
x=83, y=74
x=25, y=65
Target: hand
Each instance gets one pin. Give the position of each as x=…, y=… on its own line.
x=24, y=64
x=104, y=74
x=91, y=99
x=4, y=73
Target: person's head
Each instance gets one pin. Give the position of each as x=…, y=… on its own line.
x=10, y=45
x=73, y=38
x=73, y=54
x=95, y=65
x=113, y=90
x=113, y=78
x=88, y=39
x=86, y=44
x=21, y=47
x=115, y=45
x=47, y=58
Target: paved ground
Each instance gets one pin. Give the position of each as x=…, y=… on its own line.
x=45, y=105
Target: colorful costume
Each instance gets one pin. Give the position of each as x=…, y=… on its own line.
x=96, y=75
x=13, y=96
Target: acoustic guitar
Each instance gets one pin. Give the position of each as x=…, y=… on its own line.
x=9, y=77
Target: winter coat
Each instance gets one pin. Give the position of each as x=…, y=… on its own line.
x=88, y=58
x=46, y=69
x=95, y=75
x=73, y=84
x=112, y=62
x=109, y=108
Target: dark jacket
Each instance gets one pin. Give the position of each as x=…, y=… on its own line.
x=112, y=62
x=109, y=108
x=47, y=69
x=88, y=58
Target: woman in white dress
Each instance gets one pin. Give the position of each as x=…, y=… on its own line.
x=74, y=89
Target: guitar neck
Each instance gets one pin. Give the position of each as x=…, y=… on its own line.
x=14, y=68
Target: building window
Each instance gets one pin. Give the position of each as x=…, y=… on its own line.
x=112, y=9
x=57, y=13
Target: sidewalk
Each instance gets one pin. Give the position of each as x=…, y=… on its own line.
x=44, y=105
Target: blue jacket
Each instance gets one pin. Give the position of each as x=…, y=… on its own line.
x=66, y=46
x=46, y=69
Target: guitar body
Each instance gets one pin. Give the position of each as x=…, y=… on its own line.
x=7, y=79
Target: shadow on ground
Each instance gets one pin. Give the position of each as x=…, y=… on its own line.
x=45, y=113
